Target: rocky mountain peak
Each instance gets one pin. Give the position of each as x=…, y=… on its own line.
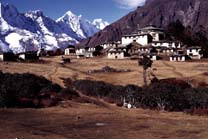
x=100, y=23
x=34, y=14
x=34, y=27
x=9, y=10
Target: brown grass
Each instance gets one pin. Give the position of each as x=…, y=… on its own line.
x=93, y=121
x=87, y=121
x=53, y=70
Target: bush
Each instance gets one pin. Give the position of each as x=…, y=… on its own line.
x=164, y=96
x=168, y=94
x=112, y=93
x=68, y=94
x=14, y=87
x=197, y=98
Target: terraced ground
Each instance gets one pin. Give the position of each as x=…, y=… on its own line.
x=73, y=120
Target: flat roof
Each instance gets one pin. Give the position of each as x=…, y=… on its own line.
x=151, y=28
x=133, y=35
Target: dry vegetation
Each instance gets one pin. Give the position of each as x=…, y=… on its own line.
x=90, y=121
x=87, y=121
x=53, y=70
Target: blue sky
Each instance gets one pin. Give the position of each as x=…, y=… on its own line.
x=109, y=10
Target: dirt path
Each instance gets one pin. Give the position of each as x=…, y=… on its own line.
x=51, y=74
x=173, y=69
x=93, y=100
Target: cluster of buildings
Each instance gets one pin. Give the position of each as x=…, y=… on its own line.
x=149, y=41
x=9, y=56
x=28, y=55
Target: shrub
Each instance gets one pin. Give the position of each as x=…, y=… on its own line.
x=168, y=94
x=197, y=98
x=164, y=96
x=14, y=87
x=68, y=94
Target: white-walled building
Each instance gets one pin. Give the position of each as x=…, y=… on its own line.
x=1, y=56
x=194, y=52
x=166, y=51
x=7, y=56
x=111, y=44
x=152, y=56
x=85, y=52
x=80, y=52
x=156, y=33
x=69, y=50
x=167, y=44
x=142, y=39
x=135, y=48
x=178, y=58
x=28, y=56
x=117, y=53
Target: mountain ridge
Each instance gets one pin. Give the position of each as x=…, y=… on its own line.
x=17, y=30
x=155, y=12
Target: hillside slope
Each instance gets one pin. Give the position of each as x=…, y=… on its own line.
x=160, y=13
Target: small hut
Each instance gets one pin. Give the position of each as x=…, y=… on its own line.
x=31, y=55
x=117, y=53
x=178, y=57
x=70, y=50
x=8, y=56
x=194, y=52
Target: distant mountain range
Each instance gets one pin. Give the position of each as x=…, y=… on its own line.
x=28, y=31
x=191, y=13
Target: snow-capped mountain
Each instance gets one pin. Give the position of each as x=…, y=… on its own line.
x=100, y=24
x=32, y=30
x=81, y=28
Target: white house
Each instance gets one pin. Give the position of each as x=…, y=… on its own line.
x=85, y=52
x=117, y=53
x=152, y=56
x=1, y=56
x=111, y=44
x=135, y=48
x=166, y=51
x=179, y=58
x=80, y=52
x=156, y=33
x=194, y=52
x=28, y=56
x=167, y=44
x=7, y=56
x=69, y=51
x=142, y=39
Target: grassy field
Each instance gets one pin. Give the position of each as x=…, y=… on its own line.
x=88, y=121
x=53, y=70
x=72, y=120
